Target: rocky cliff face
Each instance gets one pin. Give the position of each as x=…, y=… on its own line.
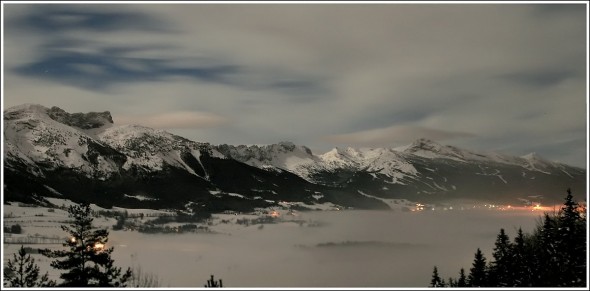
x=80, y=120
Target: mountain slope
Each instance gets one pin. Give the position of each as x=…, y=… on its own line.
x=49, y=152
x=422, y=171
x=428, y=171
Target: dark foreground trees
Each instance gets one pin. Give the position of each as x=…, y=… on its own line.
x=87, y=262
x=554, y=255
x=22, y=271
x=212, y=283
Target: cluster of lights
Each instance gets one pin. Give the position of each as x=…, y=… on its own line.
x=97, y=246
x=535, y=206
x=419, y=207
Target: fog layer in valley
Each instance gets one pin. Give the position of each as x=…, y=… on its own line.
x=344, y=249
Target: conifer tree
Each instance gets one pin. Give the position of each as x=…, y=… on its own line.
x=554, y=255
x=546, y=265
x=212, y=283
x=87, y=262
x=436, y=280
x=571, y=240
x=478, y=273
x=520, y=263
x=500, y=269
x=452, y=283
x=22, y=271
x=462, y=281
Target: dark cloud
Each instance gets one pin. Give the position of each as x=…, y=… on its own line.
x=80, y=60
x=100, y=71
x=388, y=115
x=56, y=19
x=539, y=78
x=558, y=10
x=102, y=67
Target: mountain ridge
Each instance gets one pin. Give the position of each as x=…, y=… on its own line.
x=124, y=160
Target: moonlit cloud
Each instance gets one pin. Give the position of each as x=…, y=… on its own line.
x=393, y=134
x=174, y=120
x=489, y=77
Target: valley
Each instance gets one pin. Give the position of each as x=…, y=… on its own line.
x=329, y=248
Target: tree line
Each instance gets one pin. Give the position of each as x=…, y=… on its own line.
x=553, y=255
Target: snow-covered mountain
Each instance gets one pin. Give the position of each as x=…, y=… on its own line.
x=152, y=150
x=282, y=156
x=35, y=137
x=48, y=151
x=396, y=163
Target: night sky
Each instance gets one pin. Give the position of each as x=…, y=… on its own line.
x=489, y=77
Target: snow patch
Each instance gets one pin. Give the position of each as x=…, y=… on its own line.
x=141, y=197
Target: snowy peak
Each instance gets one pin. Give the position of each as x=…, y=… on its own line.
x=535, y=162
x=24, y=111
x=140, y=139
x=287, y=146
x=80, y=120
x=284, y=155
x=426, y=144
x=429, y=149
x=340, y=158
x=33, y=137
x=532, y=157
x=389, y=162
x=264, y=153
x=153, y=150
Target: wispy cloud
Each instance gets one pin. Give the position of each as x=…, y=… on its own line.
x=174, y=120
x=101, y=71
x=393, y=135
x=487, y=77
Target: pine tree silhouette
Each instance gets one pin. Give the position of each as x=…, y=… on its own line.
x=478, y=275
x=520, y=263
x=500, y=272
x=462, y=281
x=436, y=280
x=554, y=255
x=22, y=271
x=87, y=262
x=571, y=243
x=211, y=283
